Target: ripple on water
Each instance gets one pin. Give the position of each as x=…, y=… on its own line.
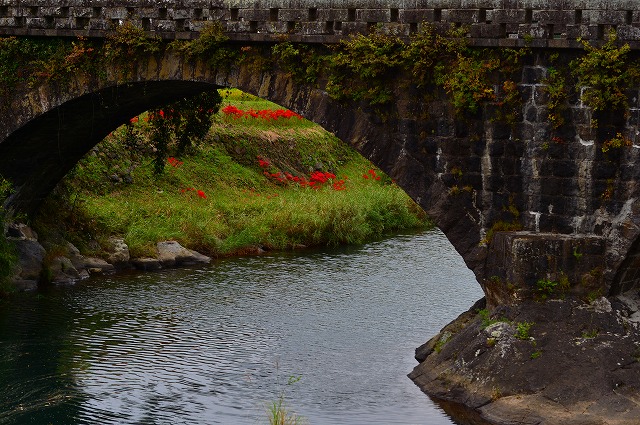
x=214, y=345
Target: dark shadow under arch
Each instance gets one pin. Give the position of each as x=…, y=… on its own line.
x=38, y=155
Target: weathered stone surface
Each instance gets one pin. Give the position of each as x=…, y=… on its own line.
x=21, y=231
x=577, y=363
x=98, y=266
x=542, y=23
x=24, y=285
x=146, y=264
x=171, y=254
x=119, y=252
x=30, y=259
x=63, y=272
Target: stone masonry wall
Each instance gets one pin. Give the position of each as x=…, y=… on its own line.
x=538, y=23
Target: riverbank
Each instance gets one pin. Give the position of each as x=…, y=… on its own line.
x=262, y=179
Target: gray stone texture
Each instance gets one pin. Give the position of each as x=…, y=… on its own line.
x=551, y=23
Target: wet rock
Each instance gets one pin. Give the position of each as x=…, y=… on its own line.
x=146, y=264
x=172, y=254
x=63, y=272
x=119, y=253
x=98, y=266
x=24, y=285
x=30, y=258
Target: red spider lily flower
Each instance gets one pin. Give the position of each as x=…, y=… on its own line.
x=263, y=163
x=339, y=185
x=133, y=120
x=202, y=195
x=174, y=162
x=364, y=176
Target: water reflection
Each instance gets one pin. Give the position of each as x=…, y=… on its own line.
x=214, y=345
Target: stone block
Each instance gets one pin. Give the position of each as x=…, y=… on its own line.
x=373, y=15
x=293, y=14
x=36, y=23
x=463, y=16
x=64, y=23
x=605, y=17
x=506, y=16
x=523, y=258
x=177, y=13
x=115, y=13
x=81, y=12
x=556, y=17
x=254, y=14
x=415, y=15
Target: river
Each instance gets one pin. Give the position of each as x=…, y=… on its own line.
x=331, y=331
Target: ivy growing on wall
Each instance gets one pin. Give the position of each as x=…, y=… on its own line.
x=605, y=73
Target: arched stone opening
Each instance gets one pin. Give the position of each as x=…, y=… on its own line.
x=37, y=156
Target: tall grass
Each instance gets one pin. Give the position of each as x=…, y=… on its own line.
x=279, y=414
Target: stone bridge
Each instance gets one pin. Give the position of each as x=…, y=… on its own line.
x=519, y=201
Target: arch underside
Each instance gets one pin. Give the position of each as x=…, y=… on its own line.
x=38, y=155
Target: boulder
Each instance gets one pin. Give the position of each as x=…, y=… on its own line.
x=172, y=254
x=63, y=271
x=119, y=253
x=21, y=231
x=147, y=264
x=30, y=258
x=98, y=266
x=24, y=285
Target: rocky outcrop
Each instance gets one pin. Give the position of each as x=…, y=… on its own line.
x=562, y=361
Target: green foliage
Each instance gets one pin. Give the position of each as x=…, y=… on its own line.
x=536, y=354
x=210, y=46
x=501, y=226
x=8, y=257
x=444, y=338
x=546, y=288
x=177, y=126
x=523, y=329
x=556, y=87
x=129, y=41
x=616, y=142
x=300, y=60
x=278, y=413
x=428, y=49
x=590, y=334
x=466, y=80
x=605, y=73
x=576, y=254
x=362, y=65
x=485, y=317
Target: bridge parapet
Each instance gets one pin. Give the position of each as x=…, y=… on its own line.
x=504, y=23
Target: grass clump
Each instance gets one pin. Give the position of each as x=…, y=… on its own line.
x=259, y=180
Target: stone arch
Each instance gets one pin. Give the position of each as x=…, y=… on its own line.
x=437, y=160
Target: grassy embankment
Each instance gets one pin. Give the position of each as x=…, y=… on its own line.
x=218, y=199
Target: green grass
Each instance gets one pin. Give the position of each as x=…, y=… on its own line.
x=243, y=209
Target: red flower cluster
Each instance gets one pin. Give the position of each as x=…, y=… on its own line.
x=174, y=162
x=200, y=193
x=265, y=114
x=371, y=174
x=316, y=179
